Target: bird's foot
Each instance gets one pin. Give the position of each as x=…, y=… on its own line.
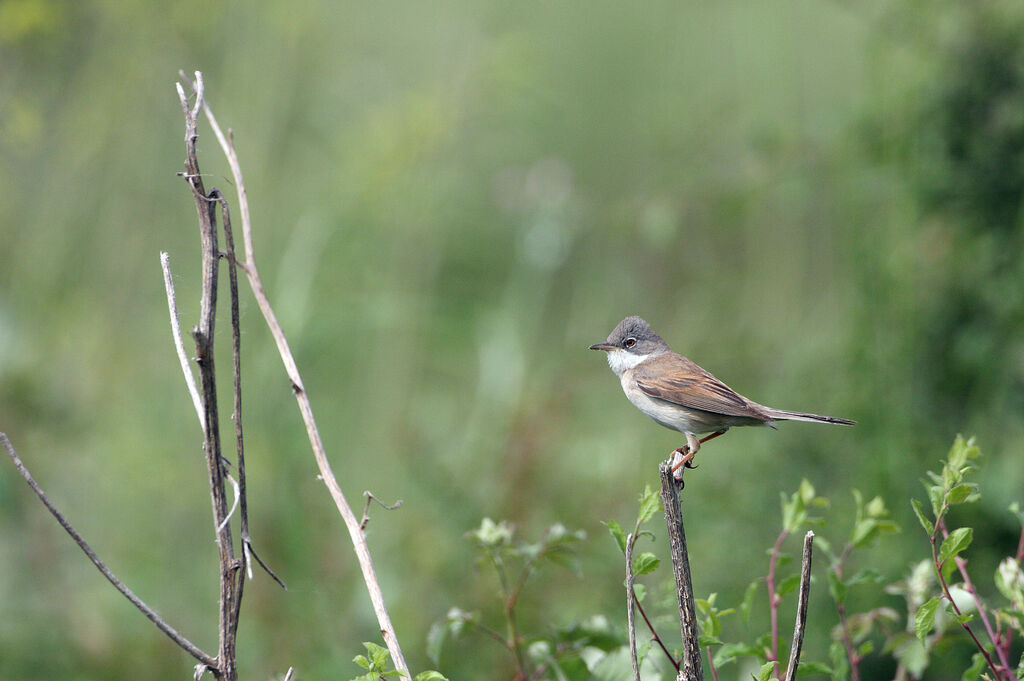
x=681, y=458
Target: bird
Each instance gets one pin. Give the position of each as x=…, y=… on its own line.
x=678, y=394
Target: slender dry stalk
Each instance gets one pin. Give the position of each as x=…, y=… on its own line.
x=231, y=576
x=161, y=624
x=352, y=523
x=692, y=667
x=630, y=599
x=801, y=608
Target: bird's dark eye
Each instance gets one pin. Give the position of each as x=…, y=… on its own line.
x=630, y=342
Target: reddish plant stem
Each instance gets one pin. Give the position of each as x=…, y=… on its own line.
x=851, y=654
x=711, y=664
x=961, y=565
x=773, y=601
x=949, y=597
x=654, y=634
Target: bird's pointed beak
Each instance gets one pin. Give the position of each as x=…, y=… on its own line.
x=602, y=346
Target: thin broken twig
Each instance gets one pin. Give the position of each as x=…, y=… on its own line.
x=161, y=624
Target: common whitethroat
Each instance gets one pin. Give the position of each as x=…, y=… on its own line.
x=678, y=394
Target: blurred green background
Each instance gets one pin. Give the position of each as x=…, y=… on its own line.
x=817, y=201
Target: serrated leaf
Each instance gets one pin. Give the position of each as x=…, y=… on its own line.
x=960, y=493
x=430, y=675
x=958, y=540
x=922, y=518
x=618, y=534
x=808, y=668
x=924, y=620
x=645, y=563
x=788, y=585
x=765, y=672
x=650, y=503
x=378, y=655
x=705, y=640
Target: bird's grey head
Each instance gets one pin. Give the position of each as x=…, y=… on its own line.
x=630, y=343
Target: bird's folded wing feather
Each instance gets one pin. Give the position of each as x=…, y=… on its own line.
x=674, y=378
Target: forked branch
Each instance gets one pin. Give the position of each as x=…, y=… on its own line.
x=352, y=523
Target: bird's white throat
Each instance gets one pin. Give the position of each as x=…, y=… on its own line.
x=621, y=360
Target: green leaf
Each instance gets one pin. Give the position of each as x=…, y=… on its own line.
x=1015, y=509
x=640, y=591
x=748, y=601
x=974, y=671
x=650, y=503
x=925, y=522
x=960, y=493
x=645, y=564
x=430, y=675
x=730, y=651
x=958, y=540
x=865, y=576
x=618, y=534
x=836, y=587
x=807, y=668
x=936, y=495
x=765, y=672
x=788, y=585
x=924, y=620
x=361, y=661
x=378, y=656
x=705, y=640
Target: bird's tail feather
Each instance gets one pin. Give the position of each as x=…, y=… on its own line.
x=783, y=415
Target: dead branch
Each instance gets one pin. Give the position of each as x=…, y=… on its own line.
x=692, y=667
x=352, y=523
x=801, y=607
x=161, y=624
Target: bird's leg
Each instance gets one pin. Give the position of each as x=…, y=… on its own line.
x=713, y=435
x=689, y=450
x=686, y=452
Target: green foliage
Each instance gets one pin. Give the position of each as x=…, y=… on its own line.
x=375, y=663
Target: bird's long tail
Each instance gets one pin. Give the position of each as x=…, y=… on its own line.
x=783, y=415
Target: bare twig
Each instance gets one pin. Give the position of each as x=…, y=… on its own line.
x=248, y=552
x=692, y=667
x=160, y=623
x=801, y=607
x=179, y=345
x=305, y=406
x=231, y=578
x=369, y=496
x=630, y=599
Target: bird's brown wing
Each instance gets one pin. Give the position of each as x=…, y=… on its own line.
x=676, y=379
